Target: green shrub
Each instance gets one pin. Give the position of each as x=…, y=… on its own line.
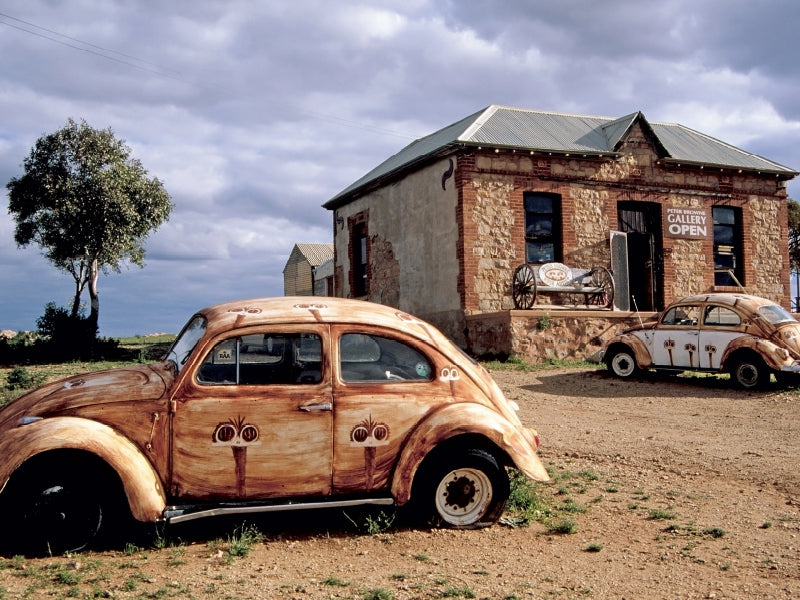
x=20, y=378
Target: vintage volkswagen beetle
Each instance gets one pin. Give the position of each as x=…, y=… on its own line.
x=261, y=405
x=746, y=336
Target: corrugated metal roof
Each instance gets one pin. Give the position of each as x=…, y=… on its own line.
x=315, y=253
x=500, y=126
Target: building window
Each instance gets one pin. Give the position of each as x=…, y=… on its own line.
x=359, y=265
x=727, y=246
x=542, y=228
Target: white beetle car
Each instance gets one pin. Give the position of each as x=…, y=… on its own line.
x=746, y=336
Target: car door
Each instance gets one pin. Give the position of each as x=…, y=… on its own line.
x=721, y=325
x=676, y=340
x=255, y=421
x=384, y=385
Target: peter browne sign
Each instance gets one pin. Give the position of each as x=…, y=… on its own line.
x=687, y=223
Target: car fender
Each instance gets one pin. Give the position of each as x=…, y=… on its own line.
x=774, y=355
x=142, y=485
x=640, y=351
x=517, y=442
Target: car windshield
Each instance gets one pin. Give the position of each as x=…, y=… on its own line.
x=186, y=342
x=775, y=314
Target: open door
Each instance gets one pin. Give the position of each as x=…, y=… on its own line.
x=641, y=223
x=619, y=268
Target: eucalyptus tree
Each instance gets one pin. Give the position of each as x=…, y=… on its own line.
x=88, y=204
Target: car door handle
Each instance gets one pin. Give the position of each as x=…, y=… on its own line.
x=317, y=407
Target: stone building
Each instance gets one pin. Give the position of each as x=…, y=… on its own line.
x=439, y=228
x=302, y=275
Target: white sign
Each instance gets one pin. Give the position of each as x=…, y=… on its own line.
x=687, y=223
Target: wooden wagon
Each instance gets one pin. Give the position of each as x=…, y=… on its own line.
x=592, y=288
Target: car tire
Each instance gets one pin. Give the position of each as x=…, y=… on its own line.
x=622, y=363
x=465, y=490
x=750, y=373
x=57, y=507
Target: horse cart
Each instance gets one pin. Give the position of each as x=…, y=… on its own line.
x=592, y=288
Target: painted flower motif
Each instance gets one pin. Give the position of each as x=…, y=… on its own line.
x=370, y=433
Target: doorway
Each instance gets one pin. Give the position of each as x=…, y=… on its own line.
x=641, y=222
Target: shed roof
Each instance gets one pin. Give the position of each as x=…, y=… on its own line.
x=506, y=127
x=314, y=253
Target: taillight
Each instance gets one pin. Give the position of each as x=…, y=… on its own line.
x=535, y=437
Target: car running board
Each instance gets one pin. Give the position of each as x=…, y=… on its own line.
x=180, y=514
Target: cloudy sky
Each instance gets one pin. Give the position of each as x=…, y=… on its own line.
x=254, y=113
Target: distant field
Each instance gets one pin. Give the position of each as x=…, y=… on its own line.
x=138, y=341
x=140, y=349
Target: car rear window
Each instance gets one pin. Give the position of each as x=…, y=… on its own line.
x=775, y=314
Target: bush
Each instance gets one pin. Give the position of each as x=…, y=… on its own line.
x=21, y=379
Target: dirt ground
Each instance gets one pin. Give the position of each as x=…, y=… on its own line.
x=686, y=489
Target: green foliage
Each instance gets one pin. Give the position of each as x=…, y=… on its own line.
x=543, y=323
x=563, y=526
x=714, y=532
x=794, y=234
x=242, y=540
x=659, y=514
x=524, y=504
x=594, y=547
x=87, y=204
x=372, y=524
x=20, y=378
x=377, y=594
x=514, y=363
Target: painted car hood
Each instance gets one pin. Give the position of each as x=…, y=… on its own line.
x=129, y=384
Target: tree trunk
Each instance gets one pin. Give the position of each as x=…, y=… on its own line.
x=79, y=275
x=93, y=296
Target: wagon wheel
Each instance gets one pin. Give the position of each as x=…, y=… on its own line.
x=600, y=277
x=523, y=286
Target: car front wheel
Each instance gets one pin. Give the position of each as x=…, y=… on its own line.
x=56, y=508
x=468, y=490
x=750, y=373
x=622, y=363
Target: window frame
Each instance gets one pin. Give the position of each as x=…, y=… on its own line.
x=553, y=238
x=291, y=342
x=420, y=354
x=732, y=246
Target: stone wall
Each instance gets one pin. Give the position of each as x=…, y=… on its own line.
x=590, y=188
x=539, y=336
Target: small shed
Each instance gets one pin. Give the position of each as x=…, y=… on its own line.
x=300, y=277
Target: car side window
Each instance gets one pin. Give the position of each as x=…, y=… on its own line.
x=367, y=357
x=720, y=316
x=264, y=359
x=684, y=315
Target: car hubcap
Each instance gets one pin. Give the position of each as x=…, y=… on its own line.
x=68, y=522
x=463, y=496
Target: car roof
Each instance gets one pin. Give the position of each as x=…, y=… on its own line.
x=729, y=299
x=314, y=309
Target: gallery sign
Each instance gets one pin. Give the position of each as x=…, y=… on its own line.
x=687, y=223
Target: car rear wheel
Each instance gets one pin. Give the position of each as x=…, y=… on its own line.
x=467, y=490
x=750, y=373
x=622, y=363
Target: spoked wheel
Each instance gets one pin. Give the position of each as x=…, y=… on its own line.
x=523, y=287
x=467, y=490
x=600, y=277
